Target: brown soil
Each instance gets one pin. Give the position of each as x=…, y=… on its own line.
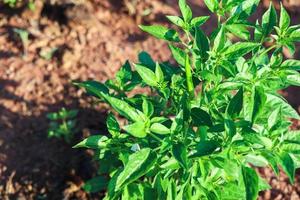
x=92, y=42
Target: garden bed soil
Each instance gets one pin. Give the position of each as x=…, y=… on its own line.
x=91, y=41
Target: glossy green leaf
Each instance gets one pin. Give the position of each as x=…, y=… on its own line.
x=161, y=32
x=277, y=101
x=148, y=108
x=291, y=64
x=123, y=108
x=271, y=158
x=269, y=20
x=220, y=40
x=254, y=104
x=202, y=43
x=295, y=35
x=185, y=10
x=96, y=184
x=112, y=125
x=198, y=21
x=244, y=10
x=251, y=180
x=236, y=104
x=139, y=163
x=137, y=129
x=93, y=142
x=147, y=75
x=274, y=118
x=239, y=49
x=159, y=129
x=239, y=30
x=200, y=117
x=212, y=5
x=178, y=54
x=205, y=147
x=159, y=74
x=176, y=20
x=285, y=20
x=124, y=74
x=179, y=152
x=288, y=166
x=94, y=88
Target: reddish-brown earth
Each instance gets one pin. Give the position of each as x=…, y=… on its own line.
x=92, y=42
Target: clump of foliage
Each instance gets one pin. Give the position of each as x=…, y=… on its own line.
x=63, y=124
x=14, y=3
x=209, y=120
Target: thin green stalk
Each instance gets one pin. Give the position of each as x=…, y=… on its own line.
x=155, y=137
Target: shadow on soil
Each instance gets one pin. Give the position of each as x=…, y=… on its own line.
x=28, y=158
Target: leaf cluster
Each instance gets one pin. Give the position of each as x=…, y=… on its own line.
x=211, y=117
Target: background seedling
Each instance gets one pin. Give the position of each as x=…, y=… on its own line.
x=63, y=124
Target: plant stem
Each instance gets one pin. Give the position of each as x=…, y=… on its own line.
x=155, y=137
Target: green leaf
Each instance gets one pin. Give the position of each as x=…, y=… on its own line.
x=178, y=54
x=185, y=10
x=139, y=163
x=136, y=129
x=146, y=60
x=147, y=75
x=274, y=101
x=159, y=74
x=123, y=108
x=112, y=125
x=288, y=166
x=293, y=77
x=159, y=129
x=285, y=20
x=295, y=35
x=230, y=127
x=94, y=88
x=274, y=118
x=220, y=40
x=254, y=104
x=161, y=32
x=148, y=108
x=93, y=142
x=201, y=43
x=271, y=158
x=239, y=30
x=236, y=104
x=124, y=75
x=204, y=148
x=179, y=152
x=269, y=20
x=176, y=20
x=212, y=5
x=243, y=11
x=96, y=184
x=198, y=21
x=239, y=49
x=251, y=180
x=200, y=117
x=177, y=124
x=291, y=64
x=256, y=160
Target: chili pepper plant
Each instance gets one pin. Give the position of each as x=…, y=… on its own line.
x=211, y=118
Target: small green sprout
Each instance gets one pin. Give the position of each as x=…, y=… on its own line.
x=63, y=124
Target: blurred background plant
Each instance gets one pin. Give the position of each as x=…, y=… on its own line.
x=62, y=124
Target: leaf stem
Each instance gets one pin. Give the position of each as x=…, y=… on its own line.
x=155, y=137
